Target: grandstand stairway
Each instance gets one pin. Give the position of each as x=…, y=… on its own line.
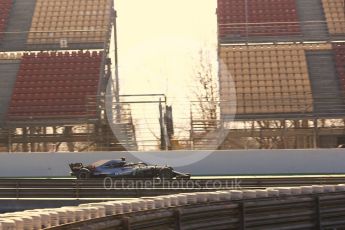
x=121, y=127
x=325, y=84
x=207, y=134
x=20, y=20
x=8, y=70
x=125, y=135
x=312, y=10
x=4, y=136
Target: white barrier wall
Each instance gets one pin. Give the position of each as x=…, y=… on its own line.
x=217, y=163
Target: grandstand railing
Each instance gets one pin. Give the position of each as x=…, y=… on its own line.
x=137, y=126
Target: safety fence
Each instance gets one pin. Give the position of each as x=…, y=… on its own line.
x=114, y=188
x=305, y=207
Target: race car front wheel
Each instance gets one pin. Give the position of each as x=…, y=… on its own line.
x=84, y=174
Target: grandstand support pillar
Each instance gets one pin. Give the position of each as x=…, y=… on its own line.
x=306, y=138
x=284, y=135
x=57, y=145
x=296, y=125
x=9, y=144
x=45, y=144
x=316, y=134
x=261, y=142
x=68, y=132
x=32, y=144
x=87, y=148
x=25, y=136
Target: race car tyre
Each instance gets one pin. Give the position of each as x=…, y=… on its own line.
x=84, y=174
x=166, y=174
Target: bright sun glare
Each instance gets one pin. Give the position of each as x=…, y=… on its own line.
x=158, y=42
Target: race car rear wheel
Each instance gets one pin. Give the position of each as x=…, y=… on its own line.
x=84, y=174
x=166, y=174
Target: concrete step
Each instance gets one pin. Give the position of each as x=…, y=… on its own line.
x=324, y=81
x=20, y=21
x=8, y=73
x=312, y=11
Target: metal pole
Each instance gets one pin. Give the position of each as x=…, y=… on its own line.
x=126, y=224
x=9, y=140
x=318, y=213
x=117, y=87
x=191, y=128
x=316, y=134
x=117, y=81
x=242, y=216
x=178, y=221
x=285, y=142
x=246, y=15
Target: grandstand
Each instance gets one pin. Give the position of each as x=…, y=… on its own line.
x=281, y=77
x=54, y=69
x=283, y=62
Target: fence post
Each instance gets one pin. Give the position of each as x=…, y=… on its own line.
x=177, y=218
x=318, y=213
x=17, y=190
x=126, y=223
x=77, y=189
x=242, y=216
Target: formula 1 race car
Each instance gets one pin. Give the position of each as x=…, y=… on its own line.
x=122, y=169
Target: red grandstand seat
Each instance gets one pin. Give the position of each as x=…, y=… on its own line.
x=45, y=86
x=5, y=8
x=263, y=18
